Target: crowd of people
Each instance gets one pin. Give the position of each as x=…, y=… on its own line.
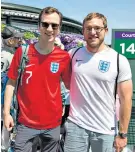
x=87, y=72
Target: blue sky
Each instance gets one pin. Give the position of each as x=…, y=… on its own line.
x=120, y=13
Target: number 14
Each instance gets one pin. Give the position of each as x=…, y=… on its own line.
x=130, y=49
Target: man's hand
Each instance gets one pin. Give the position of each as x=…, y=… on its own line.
x=8, y=122
x=120, y=143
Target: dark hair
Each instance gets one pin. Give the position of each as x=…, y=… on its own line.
x=50, y=10
x=96, y=15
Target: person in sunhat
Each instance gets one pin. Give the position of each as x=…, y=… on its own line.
x=11, y=39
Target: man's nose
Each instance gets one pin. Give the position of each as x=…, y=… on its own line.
x=50, y=28
x=93, y=31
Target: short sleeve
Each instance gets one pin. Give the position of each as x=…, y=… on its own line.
x=124, y=69
x=13, y=69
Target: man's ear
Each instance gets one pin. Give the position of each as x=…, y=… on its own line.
x=106, y=30
x=82, y=30
x=38, y=27
x=58, y=32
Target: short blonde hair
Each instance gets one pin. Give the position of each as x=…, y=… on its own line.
x=96, y=15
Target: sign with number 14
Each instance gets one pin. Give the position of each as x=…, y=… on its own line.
x=123, y=41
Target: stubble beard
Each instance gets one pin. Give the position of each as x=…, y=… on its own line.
x=94, y=45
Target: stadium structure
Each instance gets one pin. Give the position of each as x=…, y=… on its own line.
x=26, y=17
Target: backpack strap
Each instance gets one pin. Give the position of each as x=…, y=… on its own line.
x=24, y=60
x=116, y=84
x=73, y=56
x=115, y=94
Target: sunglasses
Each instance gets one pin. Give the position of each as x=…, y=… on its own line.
x=46, y=25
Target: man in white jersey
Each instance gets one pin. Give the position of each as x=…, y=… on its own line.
x=91, y=121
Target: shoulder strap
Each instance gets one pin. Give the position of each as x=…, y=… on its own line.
x=24, y=60
x=116, y=84
x=73, y=56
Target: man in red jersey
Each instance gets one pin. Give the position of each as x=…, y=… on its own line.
x=39, y=98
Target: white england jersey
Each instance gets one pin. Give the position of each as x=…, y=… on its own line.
x=92, y=101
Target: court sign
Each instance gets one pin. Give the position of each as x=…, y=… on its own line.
x=123, y=41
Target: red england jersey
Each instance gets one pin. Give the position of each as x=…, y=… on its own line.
x=39, y=95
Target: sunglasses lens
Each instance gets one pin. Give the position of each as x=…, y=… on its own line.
x=55, y=26
x=46, y=25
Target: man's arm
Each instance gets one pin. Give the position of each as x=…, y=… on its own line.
x=125, y=91
x=8, y=120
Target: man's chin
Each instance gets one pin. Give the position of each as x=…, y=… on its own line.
x=49, y=38
x=94, y=45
